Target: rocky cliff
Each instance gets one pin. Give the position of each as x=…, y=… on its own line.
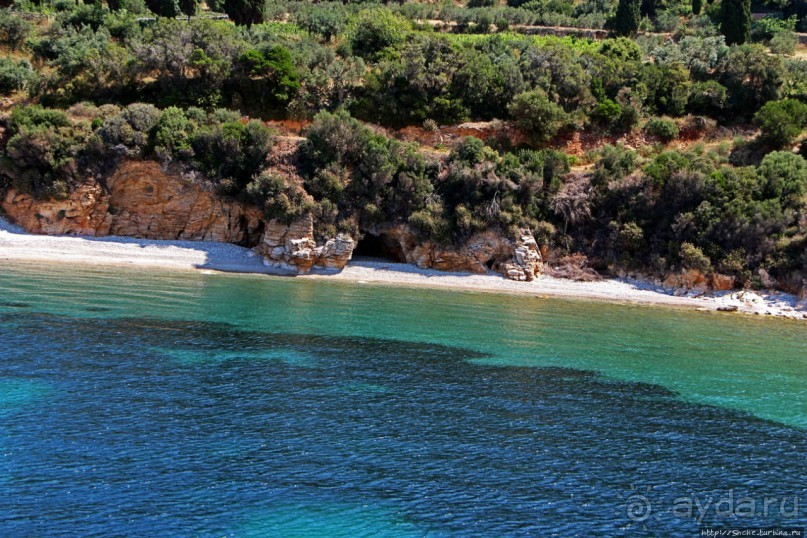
x=140, y=199
x=143, y=199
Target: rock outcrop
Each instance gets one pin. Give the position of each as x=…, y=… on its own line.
x=517, y=259
x=720, y=282
x=84, y=212
x=293, y=247
x=692, y=279
x=140, y=199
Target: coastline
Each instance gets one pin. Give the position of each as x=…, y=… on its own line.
x=18, y=245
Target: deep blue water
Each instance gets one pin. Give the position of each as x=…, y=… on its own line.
x=141, y=418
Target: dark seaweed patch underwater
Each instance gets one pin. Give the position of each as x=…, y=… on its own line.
x=147, y=427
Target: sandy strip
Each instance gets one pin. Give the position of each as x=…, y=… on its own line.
x=17, y=245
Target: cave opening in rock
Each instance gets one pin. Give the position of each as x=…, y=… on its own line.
x=381, y=247
x=250, y=238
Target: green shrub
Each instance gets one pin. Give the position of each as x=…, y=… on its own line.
x=752, y=77
x=15, y=76
x=14, y=30
x=781, y=122
x=694, y=258
x=663, y=128
x=41, y=156
x=327, y=22
x=785, y=176
x=664, y=166
x=372, y=30
x=275, y=71
x=280, y=200
x=232, y=152
x=784, y=43
x=607, y=112
x=766, y=28
x=630, y=237
x=470, y=150
x=31, y=116
x=668, y=87
x=172, y=135
x=130, y=128
x=537, y=115
x=614, y=163
x=431, y=224
x=708, y=97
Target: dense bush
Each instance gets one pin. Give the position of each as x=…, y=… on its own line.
x=780, y=122
x=231, y=152
x=537, y=115
x=280, y=199
x=752, y=77
x=129, y=130
x=40, y=156
x=693, y=258
x=173, y=134
x=15, y=75
x=372, y=31
x=614, y=164
x=14, y=30
x=363, y=173
x=785, y=176
x=663, y=128
x=708, y=97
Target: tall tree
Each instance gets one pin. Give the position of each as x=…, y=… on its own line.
x=245, y=12
x=648, y=9
x=697, y=5
x=163, y=8
x=626, y=20
x=735, y=21
x=188, y=7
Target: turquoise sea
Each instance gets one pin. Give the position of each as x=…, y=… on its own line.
x=138, y=403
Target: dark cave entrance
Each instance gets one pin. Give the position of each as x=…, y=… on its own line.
x=378, y=247
x=250, y=238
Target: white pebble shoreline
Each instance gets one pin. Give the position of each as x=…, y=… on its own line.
x=17, y=245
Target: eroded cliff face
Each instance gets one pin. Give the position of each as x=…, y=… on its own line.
x=140, y=199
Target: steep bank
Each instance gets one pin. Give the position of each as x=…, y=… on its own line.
x=140, y=199
x=143, y=199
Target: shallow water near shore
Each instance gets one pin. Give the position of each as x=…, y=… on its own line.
x=189, y=404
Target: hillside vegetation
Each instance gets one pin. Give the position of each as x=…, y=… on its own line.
x=696, y=160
